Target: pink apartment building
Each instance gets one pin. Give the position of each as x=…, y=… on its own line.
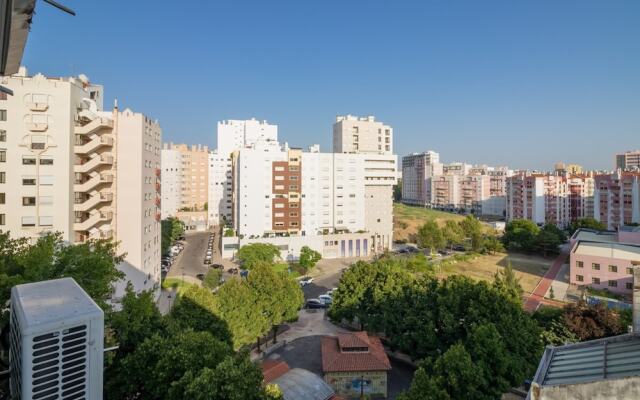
x=605, y=260
x=617, y=199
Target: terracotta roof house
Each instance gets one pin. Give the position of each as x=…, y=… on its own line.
x=296, y=383
x=354, y=364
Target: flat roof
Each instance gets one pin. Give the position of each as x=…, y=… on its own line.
x=595, y=360
x=595, y=236
x=611, y=250
x=51, y=301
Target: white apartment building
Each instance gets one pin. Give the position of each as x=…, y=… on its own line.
x=232, y=135
x=353, y=134
x=171, y=163
x=67, y=166
x=337, y=203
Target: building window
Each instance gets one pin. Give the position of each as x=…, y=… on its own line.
x=3, y=115
x=595, y=266
x=28, y=181
x=629, y=285
x=293, y=205
x=579, y=264
x=294, y=169
x=28, y=221
x=629, y=270
x=595, y=281
x=28, y=201
x=613, y=283
x=46, y=161
x=293, y=187
x=3, y=177
x=3, y=135
x=279, y=224
x=579, y=278
x=279, y=169
x=3, y=219
x=293, y=214
x=28, y=160
x=613, y=268
x=278, y=178
x=293, y=223
x=3, y=155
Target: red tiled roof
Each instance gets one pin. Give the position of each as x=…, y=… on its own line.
x=355, y=339
x=273, y=369
x=334, y=360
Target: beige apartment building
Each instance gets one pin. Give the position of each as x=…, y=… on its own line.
x=194, y=176
x=68, y=166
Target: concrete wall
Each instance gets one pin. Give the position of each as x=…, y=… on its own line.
x=626, y=388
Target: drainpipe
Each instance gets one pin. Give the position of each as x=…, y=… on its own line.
x=114, y=184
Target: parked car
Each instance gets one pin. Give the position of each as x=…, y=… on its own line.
x=305, y=280
x=458, y=247
x=233, y=271
x=200, y=276
x=244, y=273
x=313, y=304
x=207, y=260
x=411, y=249
x=218, y=266
x=325, y=299
x=332, y=291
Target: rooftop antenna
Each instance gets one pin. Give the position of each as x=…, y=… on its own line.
x=60, y=7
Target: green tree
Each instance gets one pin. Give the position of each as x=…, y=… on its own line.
x=92, y=264
x=196, y=308
x=397, y=191
x=549, y=239
x=472, y=229
x=430, y=236
x=309, y=257
x=164, y=368
x=492, y=244
x=170, y=230
x=238, y=307
x=588, y=223
x=453, y=233
x=506, y=282
x=264, y=282
x=451, y=376
x=235, y=378
x=252, y=254
x=521, y=235
x=592, y=321
x=212, y=279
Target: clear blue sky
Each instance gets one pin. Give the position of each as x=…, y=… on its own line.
x=522, y=83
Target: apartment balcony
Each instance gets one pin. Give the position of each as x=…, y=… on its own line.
x=93, y=220
x=94, y=181
x=101, y=234
x=37, y=126
x=158, y=217
x=93, y=163
x=157, y=187
x=92, y=145
x=33, y=106
x=158, y=201
x=93, y=201
x=96, y=124
x=158, y=172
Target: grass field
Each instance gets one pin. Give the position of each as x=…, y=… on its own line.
x=407, y=219
x=529, y=269
x=176, y=284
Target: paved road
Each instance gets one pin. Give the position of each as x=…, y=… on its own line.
x=190, y=261
x=537, y=296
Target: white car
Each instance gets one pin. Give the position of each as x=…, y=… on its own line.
x=306, y=280
x=325, y=299
x=332, y=291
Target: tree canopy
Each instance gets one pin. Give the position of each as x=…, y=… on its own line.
x=588, y=223
x=309, y=257
x=251, y=254
x=430, y=236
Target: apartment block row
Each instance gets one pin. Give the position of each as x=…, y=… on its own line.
x=560, y=199
x=339, y=203
x=69, y=166
x=455, y=186
x=186, y=177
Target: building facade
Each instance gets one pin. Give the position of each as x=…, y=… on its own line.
x=171, y=163
x=628, y=161
x=339, y=204
x=68, y=166
x=616, y=199
x=233, y=135
x=417, y=170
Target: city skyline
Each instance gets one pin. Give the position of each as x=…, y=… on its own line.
x=493, y=83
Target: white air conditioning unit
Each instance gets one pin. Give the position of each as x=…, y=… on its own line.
x=57, y=342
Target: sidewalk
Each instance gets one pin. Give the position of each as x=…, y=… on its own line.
x=537, y=296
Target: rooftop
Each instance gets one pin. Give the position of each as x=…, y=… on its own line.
x=51, y=301
x=297, y=384
x=609, y=358
x=611, y=250
x=367, y=354
x=595, y=236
